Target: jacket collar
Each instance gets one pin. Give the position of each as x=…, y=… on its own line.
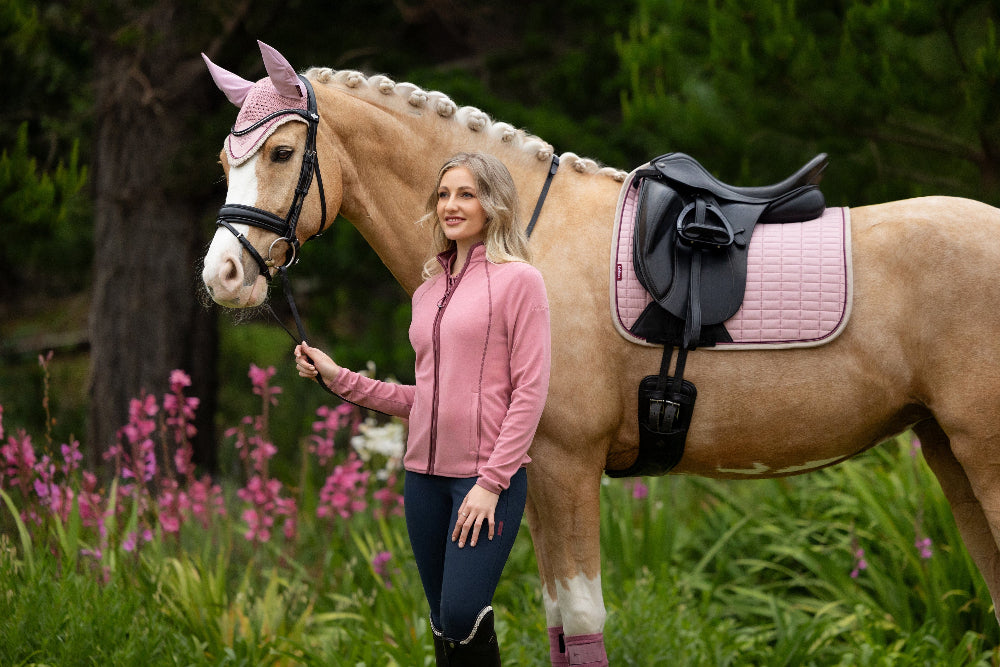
x=477, y=253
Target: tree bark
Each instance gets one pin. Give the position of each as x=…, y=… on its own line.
x=146, y=319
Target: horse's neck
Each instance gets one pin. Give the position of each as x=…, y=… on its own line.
x=388, y=162
x=383, y=186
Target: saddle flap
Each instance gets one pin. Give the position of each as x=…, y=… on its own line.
x=653, y=256
x=663, y=262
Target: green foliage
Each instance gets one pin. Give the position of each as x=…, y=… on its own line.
x=760, y=572
x=902, y=94
x=696, y=572
x=45, y=218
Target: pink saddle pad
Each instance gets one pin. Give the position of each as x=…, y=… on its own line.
x=799, y=283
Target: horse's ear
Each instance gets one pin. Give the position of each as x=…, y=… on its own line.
x=235, y=87
x=282, y=73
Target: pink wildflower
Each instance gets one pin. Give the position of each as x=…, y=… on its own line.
x=205, y=500
x=71, y=456
x=325, y=430
x=344, y=491
x=170, y=504
x=380, y=565
x=859, y=562
x=17, y=458
x=258, y=526
x=389, y=501
x=925, y=547
x=639, y=490
x=90, y=500
x=259, y=378
x=266, y=503
x=131, y=541
x=180, y=409
x=179, y=380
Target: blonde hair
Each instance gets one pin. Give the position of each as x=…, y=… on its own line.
x=504, y=235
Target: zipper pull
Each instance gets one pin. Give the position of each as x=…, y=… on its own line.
x=449, y=285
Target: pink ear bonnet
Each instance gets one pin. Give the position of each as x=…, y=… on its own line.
x=261, y=102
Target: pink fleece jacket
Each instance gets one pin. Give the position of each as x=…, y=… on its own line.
x=483, y=349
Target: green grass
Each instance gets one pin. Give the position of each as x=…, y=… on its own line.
x=699, y=572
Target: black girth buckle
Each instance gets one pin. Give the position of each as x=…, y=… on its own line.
x=663, y=414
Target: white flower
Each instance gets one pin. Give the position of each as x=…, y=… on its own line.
x=387, y=440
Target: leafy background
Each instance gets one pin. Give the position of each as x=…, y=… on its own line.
x=901, y=94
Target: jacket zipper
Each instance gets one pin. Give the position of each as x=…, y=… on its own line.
x=450, y=286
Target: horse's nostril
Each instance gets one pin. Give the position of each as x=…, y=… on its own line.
x=230, y=271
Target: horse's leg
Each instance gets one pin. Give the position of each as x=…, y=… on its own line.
x=966, y=506
x=564, y=516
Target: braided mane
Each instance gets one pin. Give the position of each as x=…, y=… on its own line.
x=383, y=91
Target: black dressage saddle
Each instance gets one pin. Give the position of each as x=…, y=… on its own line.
x=690, y=250
x=691, y=240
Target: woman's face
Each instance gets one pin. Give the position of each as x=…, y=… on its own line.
x=459, y=211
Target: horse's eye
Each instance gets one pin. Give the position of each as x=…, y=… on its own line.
x=282, y=154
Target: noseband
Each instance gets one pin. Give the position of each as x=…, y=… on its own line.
x=257, y=217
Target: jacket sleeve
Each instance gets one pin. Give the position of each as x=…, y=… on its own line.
x=530, y=358
x=385, y=397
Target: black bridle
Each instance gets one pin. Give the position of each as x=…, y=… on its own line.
x=258, y=217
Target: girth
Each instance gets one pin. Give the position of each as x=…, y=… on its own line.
x=691, y=240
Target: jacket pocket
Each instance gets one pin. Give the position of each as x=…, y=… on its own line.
x=475, y=425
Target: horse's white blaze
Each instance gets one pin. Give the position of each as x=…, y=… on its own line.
x=580, y=606
x=224, y=273
x=243, y=183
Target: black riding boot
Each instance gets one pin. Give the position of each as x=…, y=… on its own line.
x=440, y=647
x=480, y=650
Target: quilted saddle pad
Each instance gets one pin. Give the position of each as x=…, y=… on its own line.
x=799, y=281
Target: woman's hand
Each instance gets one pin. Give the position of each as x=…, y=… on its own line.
x=479, y=505
x=310, y=362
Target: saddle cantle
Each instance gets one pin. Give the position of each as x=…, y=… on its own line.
x=691, y=237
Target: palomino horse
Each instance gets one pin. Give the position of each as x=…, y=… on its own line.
x=918, y=350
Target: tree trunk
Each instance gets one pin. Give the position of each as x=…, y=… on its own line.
x=146, y=319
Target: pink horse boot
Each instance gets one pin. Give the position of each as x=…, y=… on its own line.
x=557, y=647
x=586, y=650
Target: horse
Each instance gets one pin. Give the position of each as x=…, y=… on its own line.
x=916, y=353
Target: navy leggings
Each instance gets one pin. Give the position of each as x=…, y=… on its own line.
x=459, y=583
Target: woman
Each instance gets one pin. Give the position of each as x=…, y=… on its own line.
x=480, y=330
